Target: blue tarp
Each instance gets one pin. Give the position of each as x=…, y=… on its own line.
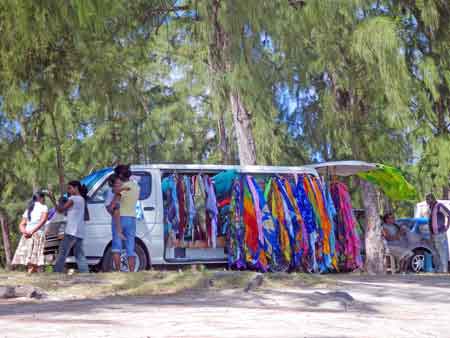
x=90, y=180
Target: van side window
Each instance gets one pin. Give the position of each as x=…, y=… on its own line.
x=144, y=180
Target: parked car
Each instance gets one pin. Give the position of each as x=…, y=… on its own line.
x=418, y=241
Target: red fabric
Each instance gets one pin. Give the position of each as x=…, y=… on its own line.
x=182, y=206
x=251, y=225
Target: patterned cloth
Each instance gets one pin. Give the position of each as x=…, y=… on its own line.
x=30, y=250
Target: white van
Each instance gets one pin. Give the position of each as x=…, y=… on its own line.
x=150, y=244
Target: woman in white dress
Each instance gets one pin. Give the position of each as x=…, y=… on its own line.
x=30, y=251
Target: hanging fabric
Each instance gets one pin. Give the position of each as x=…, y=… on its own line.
x=252, y=246
x=260, y=260
x=332, y=212
x=199, y=197
x=265, y=224
x=325, y=222
x=293, y=221
x=181, y=196
x=236, y=231
x=271, y=231
x=190, y=207
x=277, y=208
x=213, y=212
x=306, y=209
x=349, y=243
x=171, y=209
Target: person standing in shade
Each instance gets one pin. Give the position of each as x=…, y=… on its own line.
x=128, y=201
x=439, y=223
x=30, y=251
x=74, y=233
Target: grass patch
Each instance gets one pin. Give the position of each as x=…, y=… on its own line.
x=148, y=283
x=232, y=279
x=169, y=283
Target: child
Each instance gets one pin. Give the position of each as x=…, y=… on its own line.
x=74, y=233
x=113, y=202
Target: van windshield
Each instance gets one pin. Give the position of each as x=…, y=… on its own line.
x=90, y=180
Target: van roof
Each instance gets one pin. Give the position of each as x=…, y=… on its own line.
x=254, y=169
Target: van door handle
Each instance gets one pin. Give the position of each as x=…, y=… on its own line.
x=149, y=208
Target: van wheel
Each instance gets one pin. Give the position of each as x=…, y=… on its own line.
x=141, y=261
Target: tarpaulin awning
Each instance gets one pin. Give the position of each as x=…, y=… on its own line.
x=391, y=181
x=90, y=180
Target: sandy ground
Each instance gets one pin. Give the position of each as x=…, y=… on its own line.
x=387, y=306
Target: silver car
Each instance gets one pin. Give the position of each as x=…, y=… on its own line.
x=419, y=241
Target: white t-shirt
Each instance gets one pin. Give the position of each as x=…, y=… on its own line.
x=75, y=217
x=36, y=215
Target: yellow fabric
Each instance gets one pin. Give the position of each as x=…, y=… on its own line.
x=129, y=199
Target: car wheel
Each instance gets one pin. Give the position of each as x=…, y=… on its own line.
x=141, y=261
x=418, y=261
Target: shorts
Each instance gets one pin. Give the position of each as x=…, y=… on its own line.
x=128, y=225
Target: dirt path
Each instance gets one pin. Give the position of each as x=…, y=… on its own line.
x=354, y=306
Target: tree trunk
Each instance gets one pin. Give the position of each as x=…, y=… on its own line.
x=6, y=239
x=373, y=238
x=445, y=192
x=243, y=128
x=59, y=156
x=220, y=64
x=137, y=149
x=224, y=144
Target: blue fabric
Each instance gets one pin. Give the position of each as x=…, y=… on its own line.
x=190, y=208
x=90, y=180
x=171, y=207
x=306, y=210
x=236, y=253
x=223, y=182
x=332, y=213
x=165, y=184
x=271, y=231
x=128, y=225
x=66, y=244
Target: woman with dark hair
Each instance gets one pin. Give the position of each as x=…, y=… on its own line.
x=76, y=208
x=30, y=251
